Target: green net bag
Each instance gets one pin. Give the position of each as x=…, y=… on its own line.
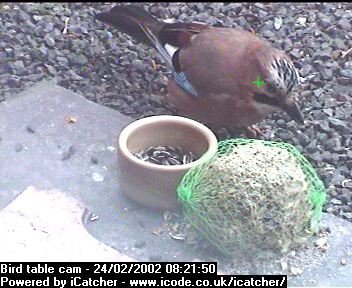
x=254, y=197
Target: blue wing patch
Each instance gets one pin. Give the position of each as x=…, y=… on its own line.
x=181, y=80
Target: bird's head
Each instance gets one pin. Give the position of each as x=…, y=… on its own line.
x=280, y=78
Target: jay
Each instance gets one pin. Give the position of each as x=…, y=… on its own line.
x=213, y=68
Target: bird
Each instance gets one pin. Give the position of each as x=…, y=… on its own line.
x=224, y=76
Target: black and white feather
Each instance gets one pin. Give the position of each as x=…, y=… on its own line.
x=284, y=75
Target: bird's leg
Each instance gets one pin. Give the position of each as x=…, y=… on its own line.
x=254, y=132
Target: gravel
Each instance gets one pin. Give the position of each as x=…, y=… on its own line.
x=62, y=41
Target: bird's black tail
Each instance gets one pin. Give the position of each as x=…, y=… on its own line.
x=132, y=20
x=139, y=24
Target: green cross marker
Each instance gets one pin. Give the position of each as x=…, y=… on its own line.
x=258, y=82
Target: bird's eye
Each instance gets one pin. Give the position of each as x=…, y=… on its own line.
x=271, y=88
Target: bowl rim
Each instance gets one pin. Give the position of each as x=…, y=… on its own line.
x=130, y=128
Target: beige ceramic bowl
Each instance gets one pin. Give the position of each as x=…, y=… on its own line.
x=155, y=185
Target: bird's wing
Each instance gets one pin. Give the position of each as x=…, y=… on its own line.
x=176, y=37
x=220, y=61
x=179, y=34
x=166, y=38
x=157, y=45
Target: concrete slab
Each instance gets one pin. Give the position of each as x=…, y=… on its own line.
x=47, y=226
x=36, y=136
x=35, y=151
x=331, y=267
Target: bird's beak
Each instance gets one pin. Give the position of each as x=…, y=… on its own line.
x=292, y=109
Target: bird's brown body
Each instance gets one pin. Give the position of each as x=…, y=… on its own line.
x=221, y=77
x=221, y=110
x=216, y=69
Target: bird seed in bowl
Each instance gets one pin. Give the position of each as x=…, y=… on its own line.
x=165, y=155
